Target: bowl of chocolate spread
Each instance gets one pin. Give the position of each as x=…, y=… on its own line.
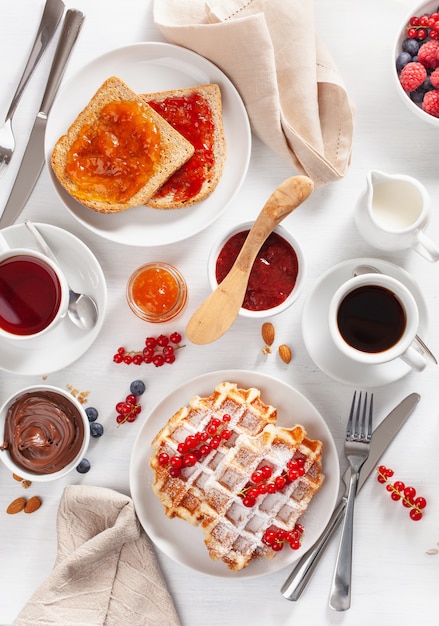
x=44, y=433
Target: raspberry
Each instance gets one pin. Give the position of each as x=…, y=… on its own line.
x=428, y=54
x=412, y=76
x=431, y=102
x=434, y=77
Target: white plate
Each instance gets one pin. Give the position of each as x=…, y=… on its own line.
x=183, y=542
x=67, y=342
x=315, y=327
x=147, y=68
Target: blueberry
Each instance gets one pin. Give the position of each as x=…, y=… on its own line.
x=411, y=46
x=402, y=60
x=417, y=96
x=92, y=413
x=137, y=387
x=84, y=466
x=96, y=429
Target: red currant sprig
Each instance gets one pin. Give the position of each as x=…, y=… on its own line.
x=260, y=481
x=195, y=447
x=129, y=409
x=276, y=538
x=423, y=27
x=398, y=491
x=158, y=351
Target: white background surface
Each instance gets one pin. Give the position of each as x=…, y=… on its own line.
x=395, y=582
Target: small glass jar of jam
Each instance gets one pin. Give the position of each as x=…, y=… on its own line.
x=156, y=292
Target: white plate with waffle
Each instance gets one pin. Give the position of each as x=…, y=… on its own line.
x=183, y=542
x=146, y=68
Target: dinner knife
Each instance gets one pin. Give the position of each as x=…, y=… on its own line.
x=382, y=436
x=33, y=159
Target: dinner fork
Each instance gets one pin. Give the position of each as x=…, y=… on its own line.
x=52, y=13
x=357, y=447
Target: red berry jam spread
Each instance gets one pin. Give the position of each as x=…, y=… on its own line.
x=273, y=275
x=116, y=156
x=191, y=116
x=43, y=432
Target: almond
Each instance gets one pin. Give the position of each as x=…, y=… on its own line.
x=268, y=333
x=16, y=506
x=16, y=477
x=285, y=353
x=32, y=505
x=26, y=484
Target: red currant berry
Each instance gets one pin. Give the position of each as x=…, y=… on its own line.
x=248, y=501
x=262, y=489
x=175, y=337
x=415, y=515
x=117, y=358
x=293, y=475
x=395, y=496
x=176, y=461
x=414, y=21
x=253, y=492
x=158, y=360
x=170, y=358
x=226, y=434
x=175, y=472
x=257, y=476
x=271, y=488
x=127, y=359
x=399, y=486
x=215, y=442
x=120, y=419
x=137, y=359
x=226, y=418
x=280, y=482
x=163, y=459
x=434, y=33
x=410, y=493
x=131, y=399
x=132, y=417
x=411, y=33
x=299, y=528
x=121, y=351
x=295, y=545
x=277, y=546
x=123, y=408
x=168, y=350
x=422, y=34
x=189, y=460
x=150, y=342
x=269, y=537
x=162, y=340
x=266, y=471
x=204, y=449
x=420, y=502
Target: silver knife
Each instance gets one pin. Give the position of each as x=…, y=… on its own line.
x=383, y=435
x=33, y=159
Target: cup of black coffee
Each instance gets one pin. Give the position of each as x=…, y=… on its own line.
x=374, y=319
x=34, y=295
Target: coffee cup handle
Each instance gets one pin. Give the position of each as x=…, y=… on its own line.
x=414, y=359
x=426, y=248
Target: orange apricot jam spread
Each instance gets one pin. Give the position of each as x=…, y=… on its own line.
x=156, y=292
x=116, y=156
x=192, y=117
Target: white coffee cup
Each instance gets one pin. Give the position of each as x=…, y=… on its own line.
x=393, y=213
x=374, y=319
x=34, y=295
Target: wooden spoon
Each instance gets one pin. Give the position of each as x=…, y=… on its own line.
x=218, y=312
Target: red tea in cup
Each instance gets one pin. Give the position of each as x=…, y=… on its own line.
x=30, y=295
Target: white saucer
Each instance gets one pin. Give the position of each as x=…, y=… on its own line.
x=316, y=332
x=67, y=342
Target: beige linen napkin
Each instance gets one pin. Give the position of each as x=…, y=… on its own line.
x=106, y=570
x=294, y=95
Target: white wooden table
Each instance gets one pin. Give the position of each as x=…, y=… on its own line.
x=395, y=581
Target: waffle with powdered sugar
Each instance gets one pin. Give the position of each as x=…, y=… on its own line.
x=210, y=490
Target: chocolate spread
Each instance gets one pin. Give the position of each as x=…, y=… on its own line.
x=43, y=432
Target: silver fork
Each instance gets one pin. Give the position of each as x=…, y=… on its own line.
x=357, y=447
x=52, y=13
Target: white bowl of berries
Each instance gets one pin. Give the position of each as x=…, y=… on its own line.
x=416, y=60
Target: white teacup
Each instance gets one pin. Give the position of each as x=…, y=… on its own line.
x=34, y=295
x=373, y=319
x=393, y=212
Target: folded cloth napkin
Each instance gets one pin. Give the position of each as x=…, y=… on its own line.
x=106, y=570
x=293, y=93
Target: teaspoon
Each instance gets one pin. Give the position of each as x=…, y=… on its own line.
x=370, y=269
x=82, y=309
